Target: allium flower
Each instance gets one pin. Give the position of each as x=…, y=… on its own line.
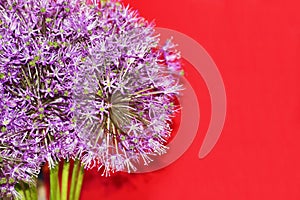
x=19, y=160
x=124, y=94
x=41, y=45
x=87, y=82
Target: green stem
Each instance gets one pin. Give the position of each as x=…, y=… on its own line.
x=54, y=183
x=22, y=193
x=21, y=190
x=33, y=192
x=79, y=183
x=65, y=180
x=74, y=179
x=27, y=193
x=26, y=190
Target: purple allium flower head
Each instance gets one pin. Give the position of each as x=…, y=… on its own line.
x=42, y=43
x=124, y=94
x=19, y=161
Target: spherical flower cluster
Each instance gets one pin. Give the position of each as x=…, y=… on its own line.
x=79, y=81
x=125, y=91
x=40, y=48
x=19, y=161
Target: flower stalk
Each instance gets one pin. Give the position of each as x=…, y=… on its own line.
x=79, y=182
x=65, y=180
x=54, y=183
x=26, y=191
x=74, y=179
x=33, y=192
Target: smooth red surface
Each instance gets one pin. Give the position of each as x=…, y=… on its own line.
x=256, y=46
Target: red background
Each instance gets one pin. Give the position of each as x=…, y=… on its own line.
x=255, y=44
